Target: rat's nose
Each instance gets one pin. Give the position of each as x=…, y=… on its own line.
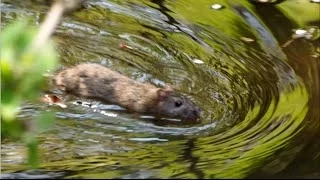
x=196, y=112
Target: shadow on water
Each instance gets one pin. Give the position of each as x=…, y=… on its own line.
x=260, y=98
x=300, y=58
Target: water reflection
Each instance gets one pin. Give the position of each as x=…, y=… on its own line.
x=259, y=100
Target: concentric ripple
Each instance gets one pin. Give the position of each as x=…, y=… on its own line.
x=254, y=99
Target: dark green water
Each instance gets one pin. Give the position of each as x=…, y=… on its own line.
x=260, y=100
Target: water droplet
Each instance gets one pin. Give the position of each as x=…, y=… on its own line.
x=315, y=1
x=300, y=32
x=197, y=61
x=216, y=6
x=245, y=39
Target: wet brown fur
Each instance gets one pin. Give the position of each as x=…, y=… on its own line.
x=98, y=82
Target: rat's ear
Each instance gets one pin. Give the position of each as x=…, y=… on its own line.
x=164, y=93
x=168, y=88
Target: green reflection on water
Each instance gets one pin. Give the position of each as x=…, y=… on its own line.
x=234, y=153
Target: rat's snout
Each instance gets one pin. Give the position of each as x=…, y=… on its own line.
x=197, y=112
x=194, y=114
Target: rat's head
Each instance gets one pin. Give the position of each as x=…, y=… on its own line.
x=176, y=106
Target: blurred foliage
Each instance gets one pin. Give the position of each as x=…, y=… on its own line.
x=236, y=153
x=302, y=12
x=22, y=80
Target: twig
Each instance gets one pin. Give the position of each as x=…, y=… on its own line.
x=52, y=20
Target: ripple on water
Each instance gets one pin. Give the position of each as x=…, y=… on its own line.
x=254, y=102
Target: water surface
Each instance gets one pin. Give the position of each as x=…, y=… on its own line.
x=260, y=100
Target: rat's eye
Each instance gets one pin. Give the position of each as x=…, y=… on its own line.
x=178, y=103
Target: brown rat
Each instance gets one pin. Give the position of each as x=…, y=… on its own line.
x=98, y=82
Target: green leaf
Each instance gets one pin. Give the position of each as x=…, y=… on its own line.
x=44, y=121
x=33, y=159
x=22, y=80
x=12, y=129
